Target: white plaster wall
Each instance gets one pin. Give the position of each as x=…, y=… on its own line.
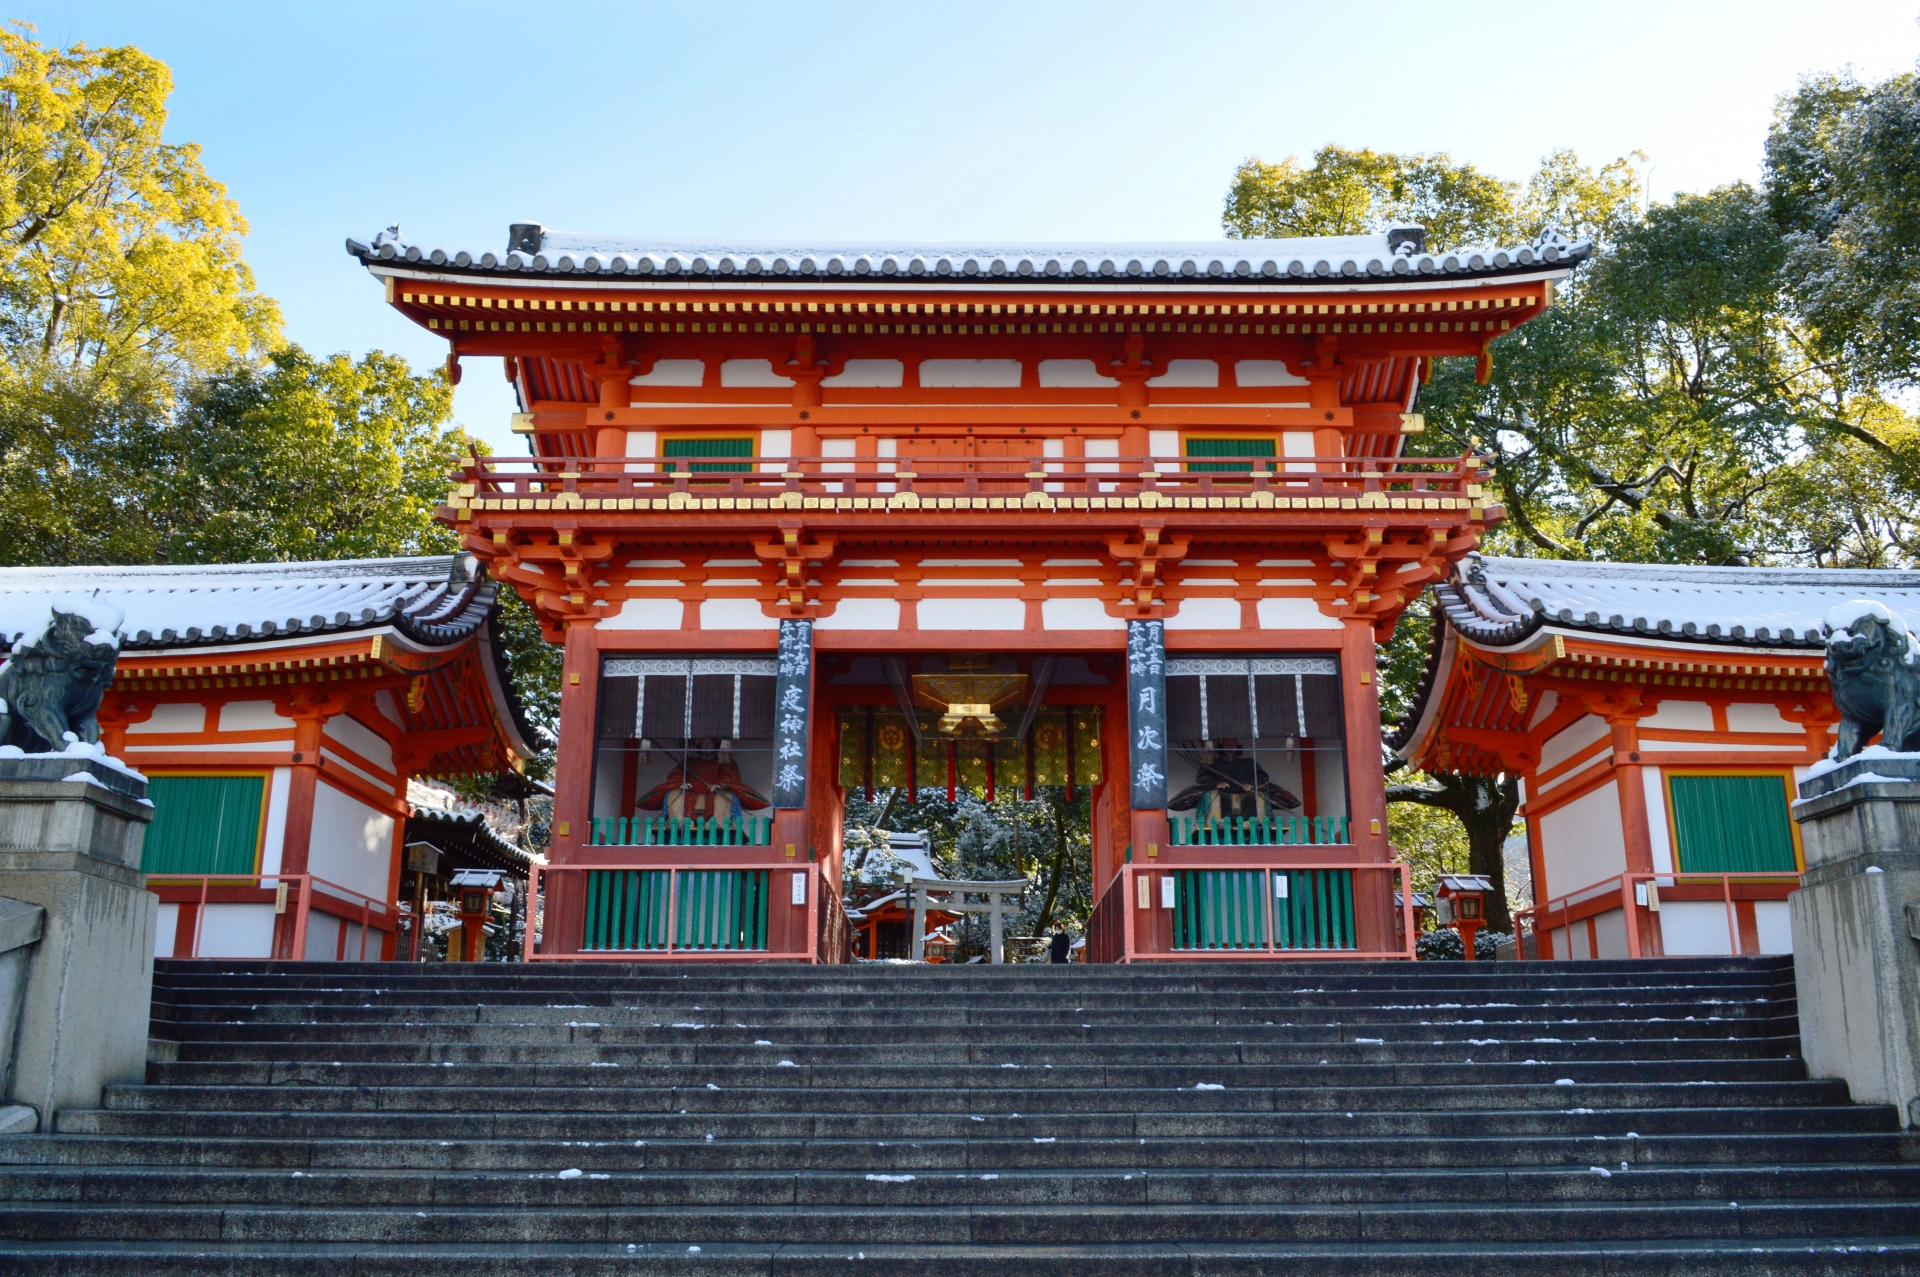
x=1691, y=928
x=352, y=844
x=1758, y=718
x=982, y=373
x=323, y=937
x=361, y=739
x=1772, y=920
x=1294, y=614
x=1073, y=374
x=1659, y=829
x=252, y=716
x=1298, y=443
x=236, y=931
x=1078, y=614
x=1583, y=842
x=1571, y=739
x=862, y=614
x=1206, y=614
x=1610, y=931
x=1543, y=709
x=273, y=841
x=876, y=374
x=752, y=372
x=641, y=443
x=734, y=614
x=1265, y=372
x=166, y=926
x=1681, y=716
x=777, y=444
x=973, y=614
x=673, y=372
x=1188, y=372
x=644, y=614
x=173, y=718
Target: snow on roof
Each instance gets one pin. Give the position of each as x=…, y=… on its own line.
x=1394, y=255
x=167, y=607
x=1502, y=602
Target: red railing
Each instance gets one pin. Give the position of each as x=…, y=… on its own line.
x=899, y=481
x=298, y=893
x=1135, y=919
x=833, y=941
x=569, y=920
x=1638, y=897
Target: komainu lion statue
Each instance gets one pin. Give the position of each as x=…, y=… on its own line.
x=1874, y=669
x=52, y=685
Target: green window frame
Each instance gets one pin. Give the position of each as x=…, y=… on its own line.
x=1226, y=448
x=204, y=824
x=708, y=447
x=1731, y=823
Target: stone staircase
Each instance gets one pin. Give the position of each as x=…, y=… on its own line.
x=1594, y=1118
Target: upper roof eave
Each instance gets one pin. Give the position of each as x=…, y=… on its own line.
x=1358, y=262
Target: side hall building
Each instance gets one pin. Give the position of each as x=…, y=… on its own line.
x=278, y=711
x=1121, y=517
x=1659, y=719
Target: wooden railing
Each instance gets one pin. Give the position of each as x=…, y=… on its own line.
x=287, y=893
x=1212, y=911
x=900, y=481
x=1638, y=897
x=641, y=912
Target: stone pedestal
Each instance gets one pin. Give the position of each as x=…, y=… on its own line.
x=72, y=847
x=1856, y=961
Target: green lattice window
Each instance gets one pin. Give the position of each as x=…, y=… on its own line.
x=1732, y=824
x=204, y=824
x=711, y=448
x=1227, y=448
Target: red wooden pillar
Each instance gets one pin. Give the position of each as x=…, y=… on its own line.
x=1366, y=784
x=573, y=787
x=310, y=720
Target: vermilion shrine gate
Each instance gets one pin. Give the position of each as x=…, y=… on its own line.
x=1128, y=517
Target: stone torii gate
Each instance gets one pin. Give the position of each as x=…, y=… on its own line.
x=993, y=906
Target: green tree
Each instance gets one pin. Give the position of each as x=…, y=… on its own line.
x=1364, y=192
x=115, y=246
x=304, y=458
x=1843, y=183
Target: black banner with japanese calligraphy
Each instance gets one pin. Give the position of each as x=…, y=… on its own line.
x=792, y=695
x=1147, y=712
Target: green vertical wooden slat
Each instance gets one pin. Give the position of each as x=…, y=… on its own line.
x=1732, y=824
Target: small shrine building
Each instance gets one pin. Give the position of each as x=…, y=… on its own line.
x=1121, y=517
x=1659, y=719
x=278, y=711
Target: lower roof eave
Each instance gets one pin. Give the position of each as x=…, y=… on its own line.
x=1697, y=647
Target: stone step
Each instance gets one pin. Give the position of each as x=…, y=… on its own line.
x=1311, y=1117
x=1338, y=1095
x=843, y=1059
x=978, y=1225
x=985, y=1152
x=1580, y=1123
x=1494, y=1188
x=854, y=1038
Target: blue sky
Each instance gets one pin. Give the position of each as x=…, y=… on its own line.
x=982, y=120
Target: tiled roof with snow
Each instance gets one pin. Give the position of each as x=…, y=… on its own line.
x=168, y=607
x=1504, y=601
x=1395, y=256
